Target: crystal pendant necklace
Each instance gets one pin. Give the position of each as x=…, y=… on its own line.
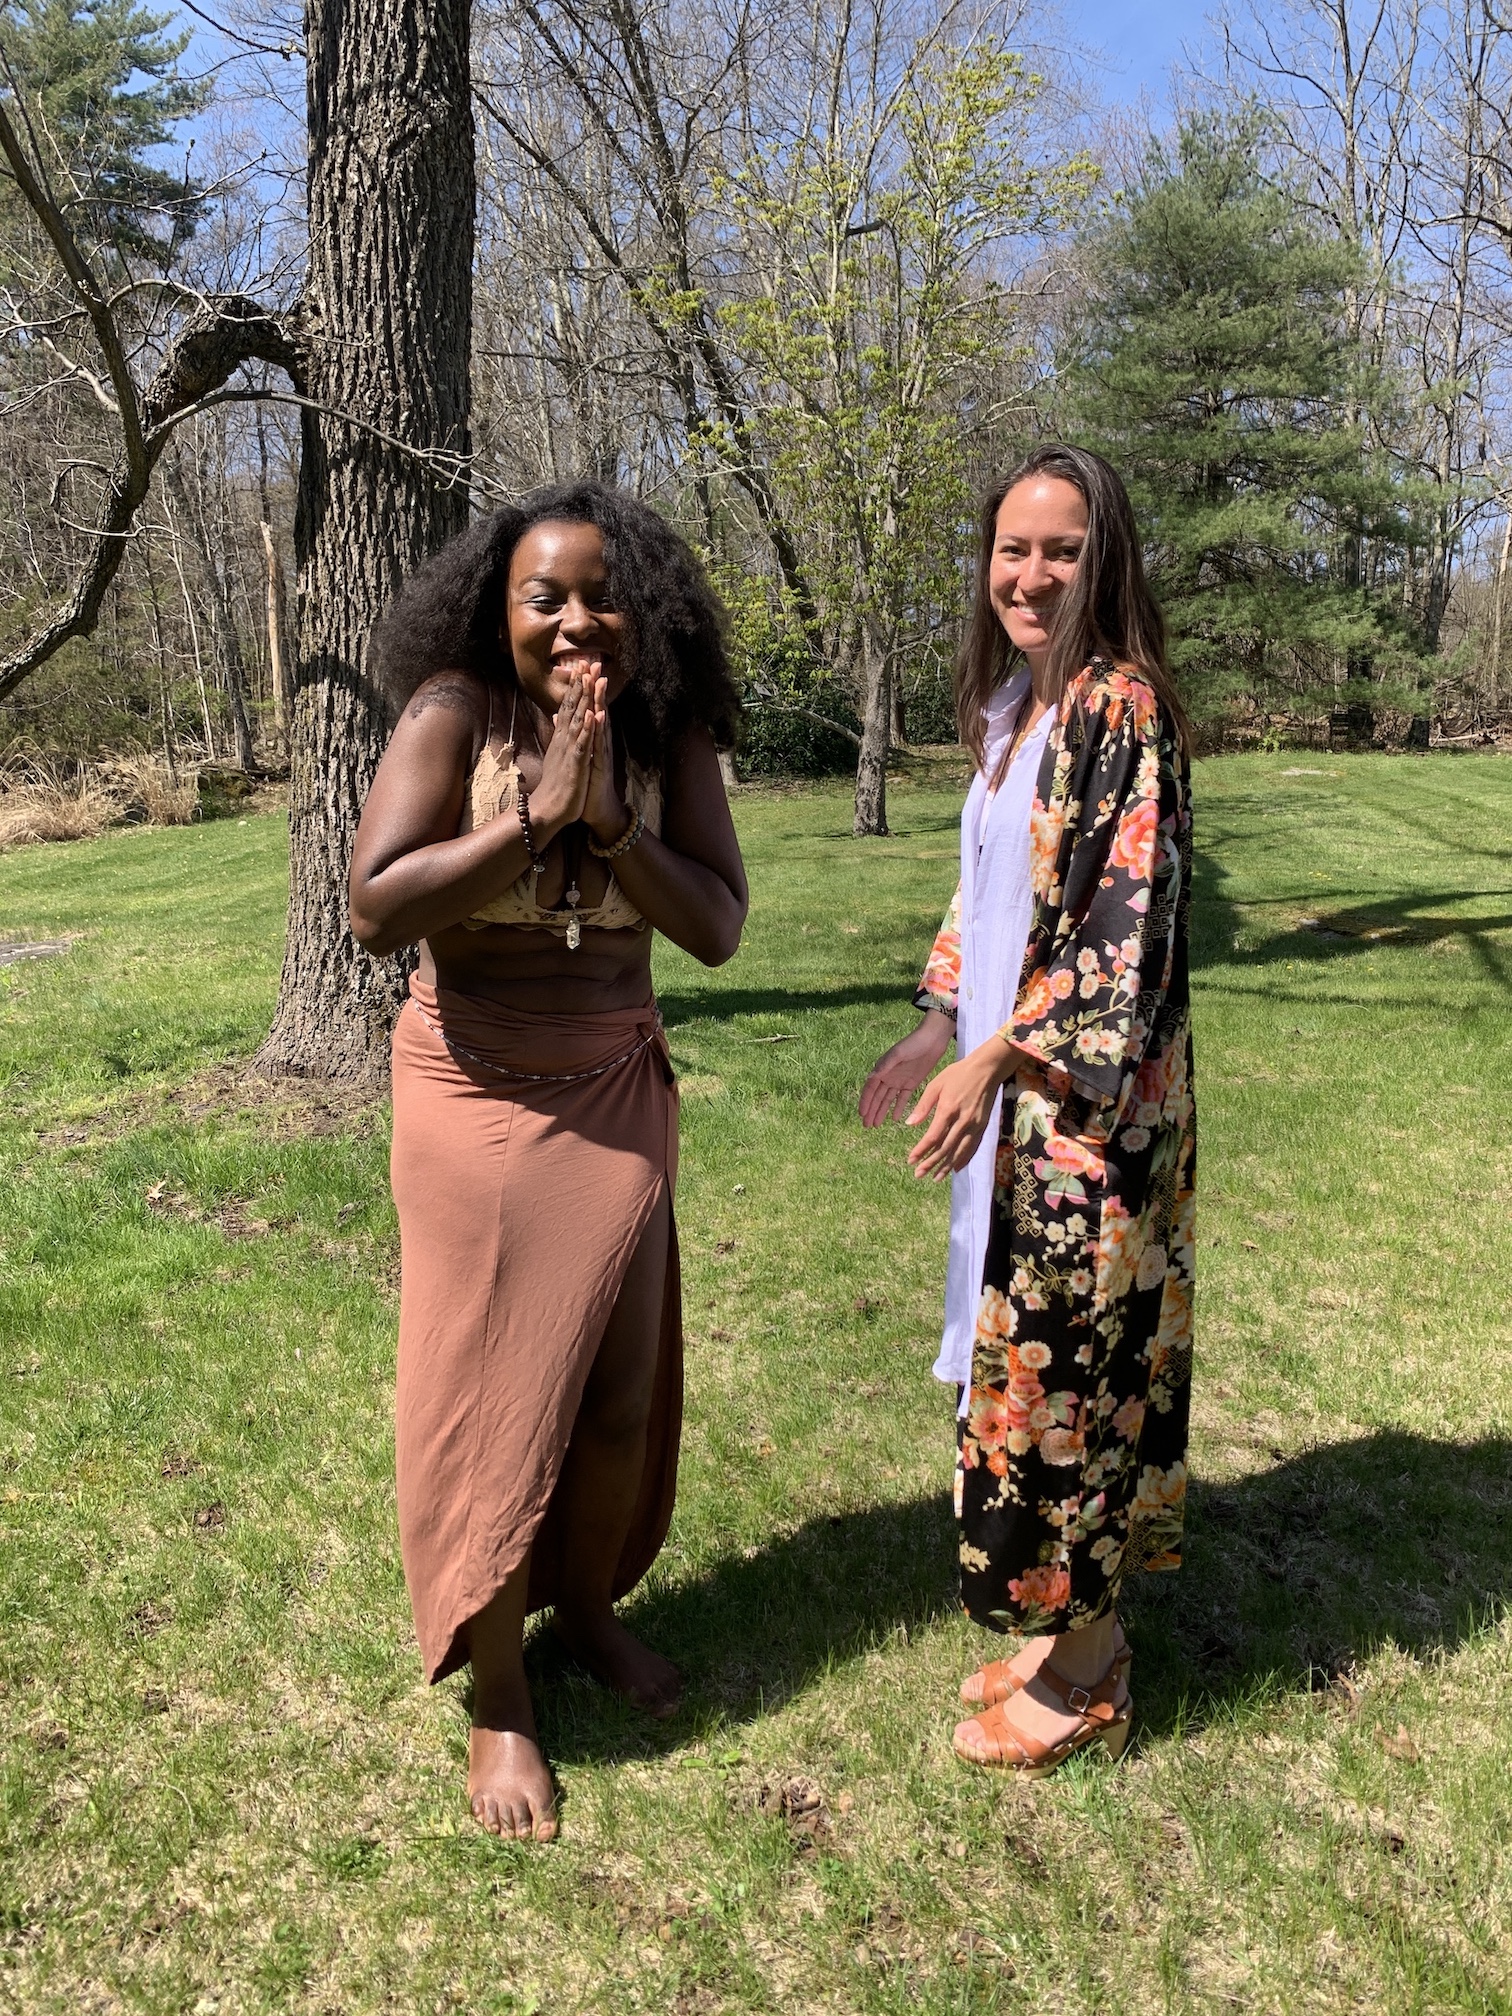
x=571, y=850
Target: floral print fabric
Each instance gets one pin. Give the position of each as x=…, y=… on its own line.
x=941, y=985
x=1071, y=1459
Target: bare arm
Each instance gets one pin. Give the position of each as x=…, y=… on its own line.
x=690, y=883
x=412, y=873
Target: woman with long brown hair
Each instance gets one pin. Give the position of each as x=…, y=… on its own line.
x=1061, y=975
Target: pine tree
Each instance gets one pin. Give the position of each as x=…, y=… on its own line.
x=99, y=85
x=1214, y=371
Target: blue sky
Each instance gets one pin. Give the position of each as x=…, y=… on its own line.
x=1140, y=39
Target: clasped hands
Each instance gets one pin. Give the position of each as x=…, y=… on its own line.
x=577, y=770
x=957, y=1105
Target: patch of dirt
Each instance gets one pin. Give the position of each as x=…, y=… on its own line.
x=232, y=1216
x=286, y=1109
x=800, y=1802
x=14, y=950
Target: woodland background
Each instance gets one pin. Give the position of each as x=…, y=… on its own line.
x=880, y=251
x=283, y=303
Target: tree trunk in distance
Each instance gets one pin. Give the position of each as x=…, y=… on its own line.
x=387, y=314
x=277, y=666
x=1496, y=611
x=876, y=725
x=228, y=649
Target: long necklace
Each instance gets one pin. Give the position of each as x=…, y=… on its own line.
x=572, y=848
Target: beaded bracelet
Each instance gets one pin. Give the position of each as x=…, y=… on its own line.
x=625, y=842
x=522, y=806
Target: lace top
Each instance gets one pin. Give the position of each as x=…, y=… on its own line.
x=493, y=789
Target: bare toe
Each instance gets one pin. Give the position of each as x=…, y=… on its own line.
x=509, y=1784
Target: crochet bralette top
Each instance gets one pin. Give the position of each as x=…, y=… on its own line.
x=494, y=789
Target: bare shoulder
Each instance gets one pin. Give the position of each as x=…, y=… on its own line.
x=462, y=693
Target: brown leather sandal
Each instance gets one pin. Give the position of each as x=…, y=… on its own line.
x=1106, y=1713
x=998, y=1681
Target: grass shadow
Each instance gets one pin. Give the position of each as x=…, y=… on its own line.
x=1294, y=1573
x=1335, y=932
x=1291, y=1576
x=726, y=1004
x=760, y=1626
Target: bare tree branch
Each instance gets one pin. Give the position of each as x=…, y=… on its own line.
x=211, y=345
x=76, y=266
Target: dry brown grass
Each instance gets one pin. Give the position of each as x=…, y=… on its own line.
x=44, y=800
x=150, y=787
x=41, y=802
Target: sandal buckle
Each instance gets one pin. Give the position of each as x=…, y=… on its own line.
x=1078, y=1700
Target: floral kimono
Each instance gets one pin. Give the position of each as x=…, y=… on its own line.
x=1071, y=1463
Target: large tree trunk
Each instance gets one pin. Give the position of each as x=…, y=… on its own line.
x=876, y=726
x=387, y=315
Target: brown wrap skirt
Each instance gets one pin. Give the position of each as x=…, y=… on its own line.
x=521, y=1200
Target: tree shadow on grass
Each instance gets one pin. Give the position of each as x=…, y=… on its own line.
x=725, y=1004
x=760, y=1626
x=1292, y=1574
x=1335, y=932
x=1295, y=1572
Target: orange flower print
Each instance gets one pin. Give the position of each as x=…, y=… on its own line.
x=1062, y=1446
x=1047, y=1588
x=988, y=1418
x=1072, y=1463
x=1134, y=843
x=1128, y=1419
x=996, y=1315
x=1036, y=1000
x=1119, y=1238
x=1160, y=1489
x=1046, y=823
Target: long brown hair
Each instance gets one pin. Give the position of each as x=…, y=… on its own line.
x=1106, y=611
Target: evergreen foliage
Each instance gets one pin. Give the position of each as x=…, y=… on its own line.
x=1216, y=373
x=98, y=83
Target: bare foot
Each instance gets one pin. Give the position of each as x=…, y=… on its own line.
x=612, y=1655
x=509, y=1786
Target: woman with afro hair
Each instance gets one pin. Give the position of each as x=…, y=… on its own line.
x=550, y=796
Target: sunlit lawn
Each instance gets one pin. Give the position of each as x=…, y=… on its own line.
x=222, y=1784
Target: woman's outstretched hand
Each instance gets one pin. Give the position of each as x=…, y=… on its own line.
x=958, y=1106
x=896, y=1076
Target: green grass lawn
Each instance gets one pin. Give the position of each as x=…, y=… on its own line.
x=223, y=1787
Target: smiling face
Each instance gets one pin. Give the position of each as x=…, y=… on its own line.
x=560, y=619
x=1041, y=529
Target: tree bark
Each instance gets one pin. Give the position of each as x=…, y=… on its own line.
x=876, y=725
x=386, y=322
